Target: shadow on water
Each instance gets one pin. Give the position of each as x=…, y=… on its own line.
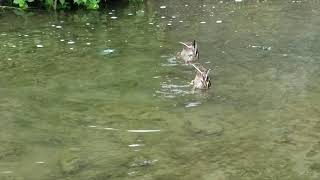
x=100, y=95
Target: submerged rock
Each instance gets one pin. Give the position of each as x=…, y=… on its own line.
x=10, y=149
x=71, y=162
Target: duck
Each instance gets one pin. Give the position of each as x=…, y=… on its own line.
x=202, y=79
x=189, y=53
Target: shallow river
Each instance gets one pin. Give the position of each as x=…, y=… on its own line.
x=100, y=95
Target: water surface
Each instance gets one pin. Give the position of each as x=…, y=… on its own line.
x=100, y=95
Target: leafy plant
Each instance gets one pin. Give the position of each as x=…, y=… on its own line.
x=89, y=4
x=22, y=3
x=63, y=4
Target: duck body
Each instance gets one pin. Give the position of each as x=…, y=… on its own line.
x=189, y=53
x=202, y=79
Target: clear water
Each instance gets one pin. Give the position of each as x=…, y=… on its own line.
x=85, y=96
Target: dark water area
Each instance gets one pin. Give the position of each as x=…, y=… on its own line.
x=100, y=95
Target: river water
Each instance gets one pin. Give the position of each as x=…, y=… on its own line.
x=99, y=95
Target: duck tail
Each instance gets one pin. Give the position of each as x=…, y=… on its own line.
x=185, y=44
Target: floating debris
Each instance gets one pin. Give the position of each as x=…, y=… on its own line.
x=6, y=172
x=132, y=173
x=144, y=130
x=219, y=21
x=108, y=51
x=71, y=42
x=110, y=129
x=135, y=145
x=39, y=162
x=39, y=46
x=113, y=17
x=163, y=7
x=192, y=104
x=266, y=48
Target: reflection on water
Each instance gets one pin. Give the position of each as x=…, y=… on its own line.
x=100, y=95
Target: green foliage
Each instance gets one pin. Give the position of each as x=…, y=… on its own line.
x=89, y=4
x=22, y=3
x=60, y=4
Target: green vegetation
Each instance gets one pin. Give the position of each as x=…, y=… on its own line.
x=62, y=4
